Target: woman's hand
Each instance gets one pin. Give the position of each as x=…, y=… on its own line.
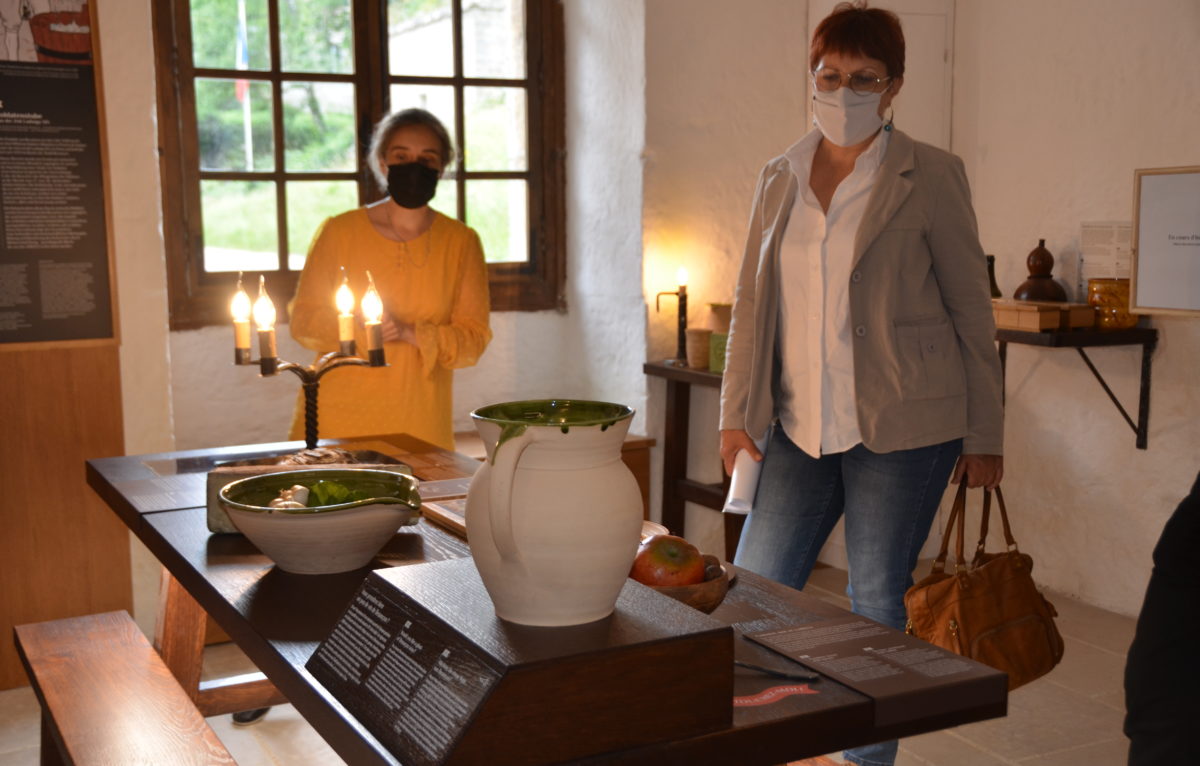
x=735, y=439
x=397, y=332
x=979, y=470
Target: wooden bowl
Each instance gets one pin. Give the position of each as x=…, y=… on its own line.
x=705, y=596
x=651, y=528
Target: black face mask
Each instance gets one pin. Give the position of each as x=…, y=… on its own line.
x=412, y=184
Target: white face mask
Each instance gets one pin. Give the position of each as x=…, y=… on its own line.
x=846, y=118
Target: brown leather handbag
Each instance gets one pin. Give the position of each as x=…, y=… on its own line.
x=990, y=611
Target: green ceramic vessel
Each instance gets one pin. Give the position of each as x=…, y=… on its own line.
x=328, y=538
x=380, y=487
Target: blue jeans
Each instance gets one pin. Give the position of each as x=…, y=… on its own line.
x=889, y=501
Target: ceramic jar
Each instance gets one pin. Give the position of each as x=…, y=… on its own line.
x=1041, y=285
x=554, y=516
x=1110, y=298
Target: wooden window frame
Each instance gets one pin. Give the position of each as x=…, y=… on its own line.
x=199, y=299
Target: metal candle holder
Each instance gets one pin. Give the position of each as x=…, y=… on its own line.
x=681, y=345
x=310, y=375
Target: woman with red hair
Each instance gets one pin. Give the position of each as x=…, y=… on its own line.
x=861, y=351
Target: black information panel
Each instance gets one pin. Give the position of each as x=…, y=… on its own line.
x=412, y=688
x=54, y=276
x=900, y=673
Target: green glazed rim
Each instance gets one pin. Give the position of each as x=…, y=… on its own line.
x=389, y=487
x=515, y=417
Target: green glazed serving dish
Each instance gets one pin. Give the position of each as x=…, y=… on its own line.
x=323, y=539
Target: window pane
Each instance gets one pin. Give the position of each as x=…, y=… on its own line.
x=239, y=226
x=437, y=99
x=213, y=47
x=308, y=204
x=233, y=123
x=446, y=199
x=316, y=36
x=494, y=39
x=420, y=38
x=499, y=211
x=318, y=126
x=495, y=125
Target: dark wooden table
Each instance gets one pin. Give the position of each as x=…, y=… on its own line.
x=279, y=619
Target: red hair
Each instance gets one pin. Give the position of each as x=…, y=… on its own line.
x=855, y=29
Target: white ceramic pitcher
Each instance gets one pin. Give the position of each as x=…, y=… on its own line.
x=554, y=516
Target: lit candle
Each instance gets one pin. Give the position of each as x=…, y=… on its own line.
x=240, y=308
x=372, y=311
x=264, y=318
x=344, y=298
x=681, y=277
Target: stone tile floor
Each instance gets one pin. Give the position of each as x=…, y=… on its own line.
x=1071, y=717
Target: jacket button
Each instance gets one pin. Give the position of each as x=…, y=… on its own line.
x=856, y=276
x=860, y=331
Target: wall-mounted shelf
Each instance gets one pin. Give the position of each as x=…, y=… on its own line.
x=1147, y=338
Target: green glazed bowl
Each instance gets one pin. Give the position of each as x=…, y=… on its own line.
x=328, y=538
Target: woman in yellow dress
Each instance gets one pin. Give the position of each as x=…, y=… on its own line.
x=430, y=272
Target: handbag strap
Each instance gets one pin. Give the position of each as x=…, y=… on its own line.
x=958, y=520
x=983, y=522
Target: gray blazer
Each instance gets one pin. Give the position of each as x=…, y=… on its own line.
x=925, y=363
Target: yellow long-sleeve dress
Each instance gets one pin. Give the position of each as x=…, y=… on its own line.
x=437, y=282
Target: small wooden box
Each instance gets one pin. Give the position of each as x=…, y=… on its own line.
x=1038, y=316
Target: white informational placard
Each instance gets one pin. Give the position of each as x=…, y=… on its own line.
x=1166, y=235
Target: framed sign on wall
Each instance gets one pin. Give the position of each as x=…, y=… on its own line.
x=1165, y=271
x=56, y=276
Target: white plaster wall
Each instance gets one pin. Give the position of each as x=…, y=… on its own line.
x=724, y=94
x=126, y=55
x=1055, y=106
x=605, y=343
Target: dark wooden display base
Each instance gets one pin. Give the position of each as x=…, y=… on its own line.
x=421, y=659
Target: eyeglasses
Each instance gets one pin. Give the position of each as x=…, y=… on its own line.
x=861, y=83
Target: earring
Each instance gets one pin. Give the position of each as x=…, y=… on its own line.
x=887, y=122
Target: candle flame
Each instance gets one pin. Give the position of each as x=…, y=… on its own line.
x=372, y=304
x=344, y=298
x=264, y=310
x=681, y=277
x=240, y=305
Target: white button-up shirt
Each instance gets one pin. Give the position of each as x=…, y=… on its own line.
x=817, y=410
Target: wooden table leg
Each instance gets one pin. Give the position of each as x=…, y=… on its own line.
x=675, y=447
x=179, y=634
x=179, y=639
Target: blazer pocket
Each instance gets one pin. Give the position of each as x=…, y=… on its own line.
x=929, y=360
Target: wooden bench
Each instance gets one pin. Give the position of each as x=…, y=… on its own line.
x=108, y=698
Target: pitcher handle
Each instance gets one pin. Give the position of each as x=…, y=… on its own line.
x=505, y=458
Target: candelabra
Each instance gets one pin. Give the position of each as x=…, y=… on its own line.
x=269, y=364
x=310, y=377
